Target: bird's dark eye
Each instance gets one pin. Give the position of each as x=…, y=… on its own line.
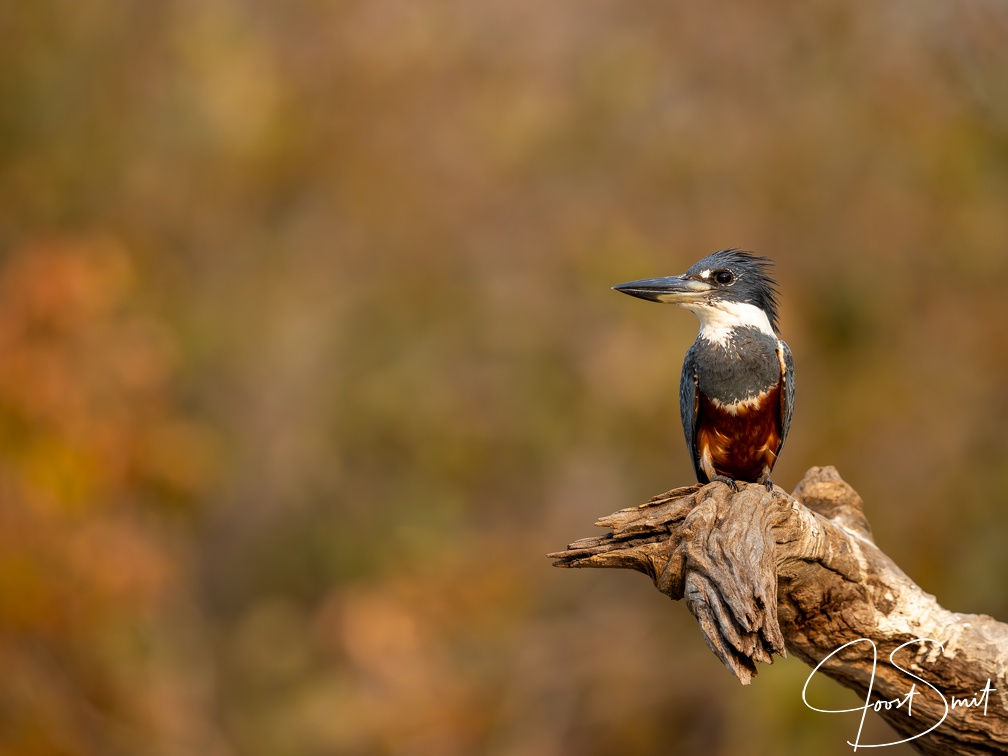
x=724, y=277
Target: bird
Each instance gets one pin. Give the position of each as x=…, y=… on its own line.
x=736, y=393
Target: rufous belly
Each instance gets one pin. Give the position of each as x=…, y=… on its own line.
x=741, y=444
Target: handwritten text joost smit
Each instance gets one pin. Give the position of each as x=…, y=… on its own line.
x=978, y=701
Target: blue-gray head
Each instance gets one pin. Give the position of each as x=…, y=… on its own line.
x=727, y=289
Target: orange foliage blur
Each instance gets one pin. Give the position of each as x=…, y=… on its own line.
x=90, y=440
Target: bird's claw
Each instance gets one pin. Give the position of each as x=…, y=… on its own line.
x=727, y=481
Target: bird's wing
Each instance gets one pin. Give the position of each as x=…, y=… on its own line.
x=689, y=402
x=787, y=389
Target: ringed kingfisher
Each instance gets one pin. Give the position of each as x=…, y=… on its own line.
x=736, y=394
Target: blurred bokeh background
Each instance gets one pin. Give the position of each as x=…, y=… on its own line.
x=308, y=354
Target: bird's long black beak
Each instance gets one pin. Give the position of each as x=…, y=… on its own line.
x=673, y=289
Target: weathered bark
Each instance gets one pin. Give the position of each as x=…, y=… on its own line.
x=763, y=571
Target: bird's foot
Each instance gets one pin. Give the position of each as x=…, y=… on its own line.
x=727, y=481
x=767, y=483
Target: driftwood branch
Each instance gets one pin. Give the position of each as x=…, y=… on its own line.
x=764, y=571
